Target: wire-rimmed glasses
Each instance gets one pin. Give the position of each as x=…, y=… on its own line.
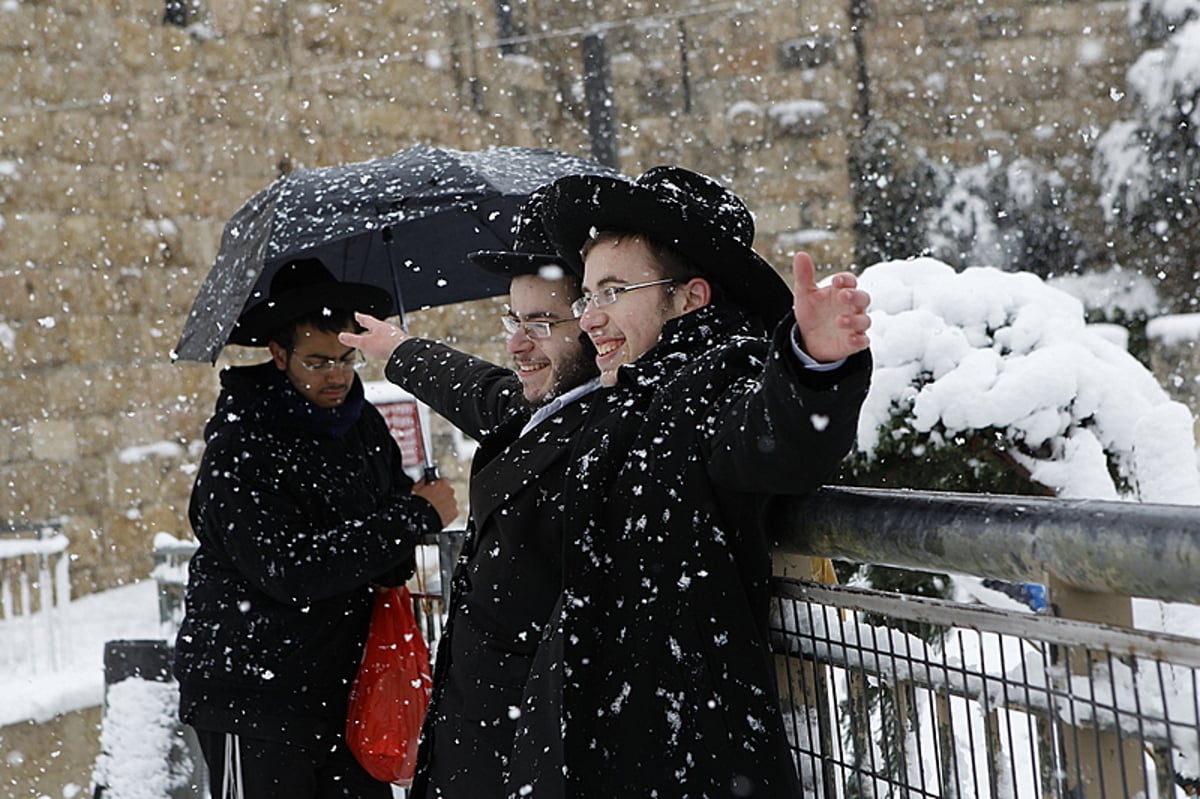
x=609, y=294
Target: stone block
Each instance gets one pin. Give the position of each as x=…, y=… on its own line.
x=23, y=132
x=177, y=50
x=956, y=27
x=808, y=52
x=264, y=21
x=75, y=288
x=35, y=345
x=126, y=546
x=746, y=124
x=94, y=435
x=94, y=338
x=42, y=489
x=14, y=443
x=24, y=393
x=1000, y=22
x=140, y=44
x=53, y=439
x=19, y=31
x=26, y=293
x=142, y=480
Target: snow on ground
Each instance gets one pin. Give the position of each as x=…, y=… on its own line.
x=33, y=688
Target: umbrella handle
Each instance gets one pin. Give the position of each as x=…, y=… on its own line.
x=431, y=474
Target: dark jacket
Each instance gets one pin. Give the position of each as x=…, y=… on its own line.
x=296, y=509
x=510, y=572
x=656, y=678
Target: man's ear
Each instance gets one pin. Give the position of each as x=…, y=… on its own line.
x=278, y=354
x=696, y=294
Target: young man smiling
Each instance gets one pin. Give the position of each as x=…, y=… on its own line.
x=300, y=504
x=510, y=572
x=656, y=677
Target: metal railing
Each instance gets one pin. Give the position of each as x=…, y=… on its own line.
x=35, y=588
x=903, y=696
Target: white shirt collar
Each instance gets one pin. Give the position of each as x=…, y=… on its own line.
x=558, y=403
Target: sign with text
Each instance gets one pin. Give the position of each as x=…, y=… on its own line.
x=404, y=421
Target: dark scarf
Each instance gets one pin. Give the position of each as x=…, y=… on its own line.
x=298, y=411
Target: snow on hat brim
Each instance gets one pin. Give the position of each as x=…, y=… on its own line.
x=512, y=264
x=532, y=253
x=703, y=221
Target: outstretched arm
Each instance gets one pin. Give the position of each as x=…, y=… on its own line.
x=380, y=339
x=832, y=318
x=474, y=395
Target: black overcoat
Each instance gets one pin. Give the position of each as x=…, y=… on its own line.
x=510, y=572
x=656, y=677
x=296, y=510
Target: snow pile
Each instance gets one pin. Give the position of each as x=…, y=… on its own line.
x=143, y=751
x=1116, y=293
x=1175, y=329
x=981, y=349
x=143, y=754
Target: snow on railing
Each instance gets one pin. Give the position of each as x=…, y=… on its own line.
x=35, y=587
x=171, y=556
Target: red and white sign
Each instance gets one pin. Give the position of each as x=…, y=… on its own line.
x=406, y=419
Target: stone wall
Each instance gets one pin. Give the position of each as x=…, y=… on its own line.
x=126, y=143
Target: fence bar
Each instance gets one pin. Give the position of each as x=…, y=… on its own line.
x=1128, y=548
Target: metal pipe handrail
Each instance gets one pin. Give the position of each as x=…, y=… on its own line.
x=1127, y=548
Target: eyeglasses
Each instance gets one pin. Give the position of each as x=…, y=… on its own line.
x=318, y=363
x=609, y=295
x=541, y=329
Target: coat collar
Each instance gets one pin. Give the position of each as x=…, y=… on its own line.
x=683, y=340
x=527, y=458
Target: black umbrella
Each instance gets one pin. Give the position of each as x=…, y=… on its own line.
x=404, y=222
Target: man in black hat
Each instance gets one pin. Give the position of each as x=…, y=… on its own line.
x=300, y=504
x=509, y=575
x=656, y=677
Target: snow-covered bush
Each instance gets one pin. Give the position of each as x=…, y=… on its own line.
x=1119, y=297
x=996, y=379
x=1005, y=214
x=1147, y=166
x=1012, y=214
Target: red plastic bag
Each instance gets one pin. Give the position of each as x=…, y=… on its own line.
x=390, y=692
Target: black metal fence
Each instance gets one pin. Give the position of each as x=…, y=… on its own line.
x=892, y=695
x=901, y=696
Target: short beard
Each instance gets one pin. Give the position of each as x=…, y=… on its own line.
x=574, y=373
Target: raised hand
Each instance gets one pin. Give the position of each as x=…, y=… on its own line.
x=832, y=318
x=380, y=339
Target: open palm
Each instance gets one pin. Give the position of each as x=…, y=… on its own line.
x=833, y=317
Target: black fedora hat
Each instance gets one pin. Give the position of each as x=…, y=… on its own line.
x=301, y=287
x=532, y=254
x=706, y=222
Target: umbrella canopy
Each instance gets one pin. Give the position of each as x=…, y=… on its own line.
x=405, y=223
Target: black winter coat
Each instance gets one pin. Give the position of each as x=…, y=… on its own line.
x=296, y=509
x=510, y=572
x=656, y=678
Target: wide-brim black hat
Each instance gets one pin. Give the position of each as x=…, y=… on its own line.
x=532, y=254
x=301, y=287
x=704, y=221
